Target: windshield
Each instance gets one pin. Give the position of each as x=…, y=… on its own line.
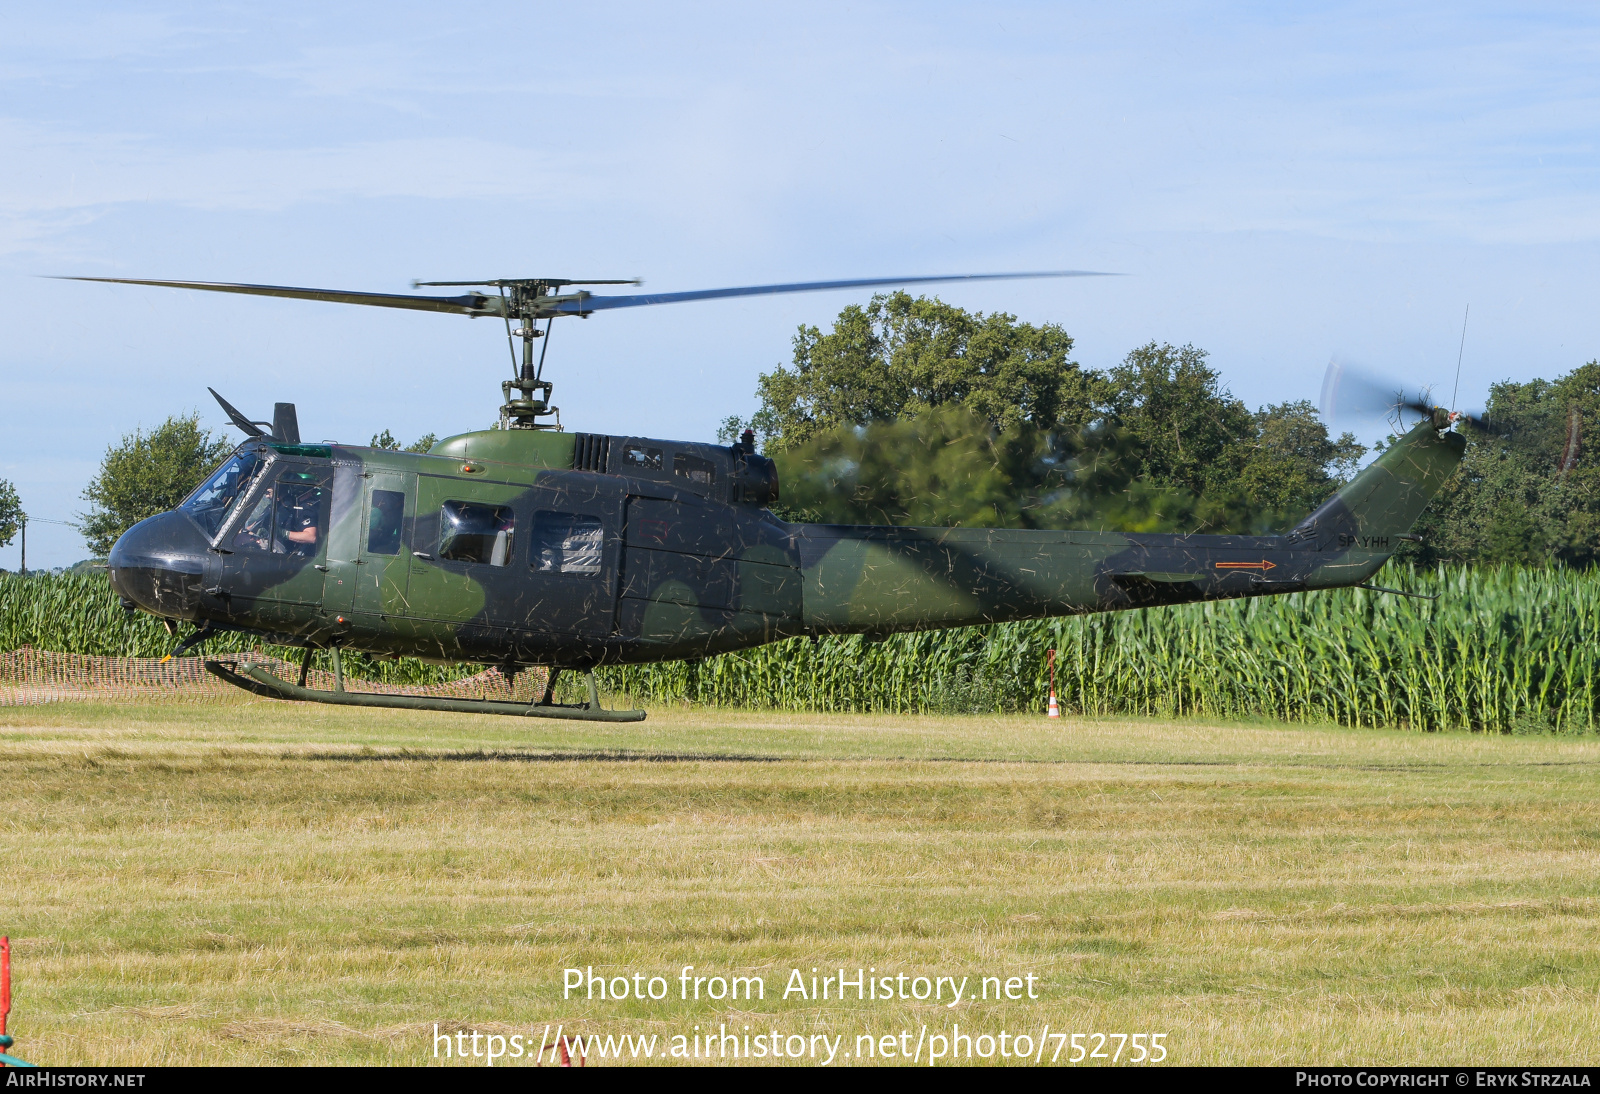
x=209, y=505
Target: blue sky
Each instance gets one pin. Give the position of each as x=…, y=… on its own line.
x=1280, y=183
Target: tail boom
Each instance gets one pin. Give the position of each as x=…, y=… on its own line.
x=879, y=580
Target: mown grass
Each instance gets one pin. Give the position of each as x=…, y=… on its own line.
x=274, y=883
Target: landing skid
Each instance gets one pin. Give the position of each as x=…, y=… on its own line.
x=255, y=679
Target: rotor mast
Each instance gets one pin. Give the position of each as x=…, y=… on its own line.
x=526, y=301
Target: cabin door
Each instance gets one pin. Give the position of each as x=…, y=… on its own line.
x=568, y=581
x=367, y=561
x=385, y=531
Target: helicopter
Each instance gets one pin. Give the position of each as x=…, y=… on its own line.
x=527, y=545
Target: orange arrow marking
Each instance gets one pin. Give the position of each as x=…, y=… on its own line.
x=1263, y=565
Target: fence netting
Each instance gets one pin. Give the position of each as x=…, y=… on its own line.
x=29, y=677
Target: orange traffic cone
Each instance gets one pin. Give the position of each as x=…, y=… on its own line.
x=1055, y=708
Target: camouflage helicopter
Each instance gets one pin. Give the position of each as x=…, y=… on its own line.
x=525, y=545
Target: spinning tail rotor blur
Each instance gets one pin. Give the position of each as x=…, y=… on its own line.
x=1351, y=392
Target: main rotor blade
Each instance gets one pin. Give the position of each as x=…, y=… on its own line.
x=479, y=304
x=470, y=304
x=604, y=303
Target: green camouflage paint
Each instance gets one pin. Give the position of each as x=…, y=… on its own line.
x=583, y=549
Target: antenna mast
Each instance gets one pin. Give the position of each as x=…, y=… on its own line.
x=1459, y=351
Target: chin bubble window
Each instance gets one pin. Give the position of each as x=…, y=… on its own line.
x=565, y=543
x=471, y=532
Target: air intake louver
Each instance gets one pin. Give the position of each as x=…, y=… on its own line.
x=591, y=452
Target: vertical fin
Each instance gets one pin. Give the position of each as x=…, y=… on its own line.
x=1387, y=497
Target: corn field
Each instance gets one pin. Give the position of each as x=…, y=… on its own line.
x=78, y=613
x=1503, y=650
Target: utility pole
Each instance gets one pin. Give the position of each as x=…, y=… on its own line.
x=36, y=520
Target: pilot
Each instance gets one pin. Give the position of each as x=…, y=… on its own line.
x=297, y=519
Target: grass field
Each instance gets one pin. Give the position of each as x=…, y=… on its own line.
x=274, y=883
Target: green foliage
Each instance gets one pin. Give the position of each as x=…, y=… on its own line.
x=945, y=466
x=1247, y=472
x=1293, y=464
x=914, y=411
x=148, y=474
x=385, y=440
x=1190, y=431
x=1521, y=495
x=900, y=355
x=10, y=512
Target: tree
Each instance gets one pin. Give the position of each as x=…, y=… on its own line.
x=1191, y=431
x=900, y=355
x=1293, y=465
x=147, y=474
x=386, y=440
x=10, y=513
x=914, y=411
x=948, y=466
x=1528, y=488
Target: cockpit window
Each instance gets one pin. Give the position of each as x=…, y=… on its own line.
x=290, y=515
x=209, y=505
